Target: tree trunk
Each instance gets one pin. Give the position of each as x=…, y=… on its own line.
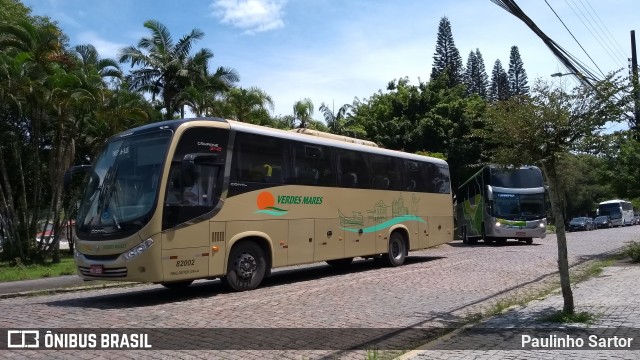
x=561, y=236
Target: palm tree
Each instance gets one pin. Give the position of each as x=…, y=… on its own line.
x=302, y=111
x=164, y=68
x=335, y=122
x=248, y=105
x=207, y=99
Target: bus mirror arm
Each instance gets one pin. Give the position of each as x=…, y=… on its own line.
x=200, y=158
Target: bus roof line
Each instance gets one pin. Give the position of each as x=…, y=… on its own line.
x=293, y=135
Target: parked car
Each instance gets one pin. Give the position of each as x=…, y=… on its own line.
x=602, y=222
x=47, y=232
x=580, y=223
x=636, y=219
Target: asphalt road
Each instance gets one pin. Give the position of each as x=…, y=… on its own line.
x=313, y=306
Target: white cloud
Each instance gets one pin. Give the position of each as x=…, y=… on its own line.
x=106, y=49
x=250, y=15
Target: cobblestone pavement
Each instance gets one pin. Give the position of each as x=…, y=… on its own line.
x=305, y=306
x=612, y=297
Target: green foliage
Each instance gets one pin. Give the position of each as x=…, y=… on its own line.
x=632, y=250
x=570, y=318
x=16, y=270
x=518, y=84
x=584, y=183
x=13, y=11
x=447, y=62
x=499, y=87
x=428, y=117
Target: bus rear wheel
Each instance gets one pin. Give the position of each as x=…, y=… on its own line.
x=528, y=241
x=177, y=284
x=246, y=267
x=397, y=250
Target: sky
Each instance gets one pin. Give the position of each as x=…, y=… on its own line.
x=332, y=51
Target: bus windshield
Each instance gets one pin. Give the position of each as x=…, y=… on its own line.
x=517, y=178
x=123, y=185
x=518, y=206
x=613, y=210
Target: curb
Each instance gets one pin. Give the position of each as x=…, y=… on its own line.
x=65, y=290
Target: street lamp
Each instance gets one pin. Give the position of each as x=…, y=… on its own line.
x=580, y=76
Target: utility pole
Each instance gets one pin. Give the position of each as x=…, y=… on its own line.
x=636, y=87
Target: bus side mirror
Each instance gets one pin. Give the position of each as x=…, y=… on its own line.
x=68, y=175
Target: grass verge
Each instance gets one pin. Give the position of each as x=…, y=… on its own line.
x=19, y=271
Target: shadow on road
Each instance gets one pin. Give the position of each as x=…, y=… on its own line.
x=509, y=243
x=206, y=289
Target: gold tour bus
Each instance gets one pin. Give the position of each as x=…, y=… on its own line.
x=176, y=201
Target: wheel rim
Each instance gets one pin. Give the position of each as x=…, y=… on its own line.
x=246, y=265
x=396, y=250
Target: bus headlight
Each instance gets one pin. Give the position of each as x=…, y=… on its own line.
x=498, y=224
x=542, y=224
x=137, y=250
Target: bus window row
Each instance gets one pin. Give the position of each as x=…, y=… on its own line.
x=259, y=158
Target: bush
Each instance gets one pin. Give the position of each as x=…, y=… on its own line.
x=633, y=251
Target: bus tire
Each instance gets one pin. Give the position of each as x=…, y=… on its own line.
x=465, y=240
x=528, y=241
x=340, y=262
x=246, y=267
x=397, y=250
x=175, y=285
x=501, y=241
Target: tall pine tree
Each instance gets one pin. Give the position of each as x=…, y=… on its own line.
x=447, y=60
x=499, y=89
x=476, y=77
x=518, y=84
x=482, y=79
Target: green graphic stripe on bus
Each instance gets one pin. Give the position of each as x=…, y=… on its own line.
x=512, y=222
x=473, y=213
x=386, y=224
x=270, y=210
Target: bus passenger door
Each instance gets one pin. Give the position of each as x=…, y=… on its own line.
x=186, y=252
x=329, y=240
x=300, y=241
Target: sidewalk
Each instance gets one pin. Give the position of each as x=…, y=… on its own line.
x=521, y=333
x=58, y=284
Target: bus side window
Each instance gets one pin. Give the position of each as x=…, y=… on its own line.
x=415, y=179
x=312, y=165
x=259, y=159
x=353, y=170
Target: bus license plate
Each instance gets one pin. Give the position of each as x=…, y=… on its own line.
x=96, y=269
x=520, y=233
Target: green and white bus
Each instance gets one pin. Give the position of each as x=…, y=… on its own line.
x=180, y=200
x=500, y=203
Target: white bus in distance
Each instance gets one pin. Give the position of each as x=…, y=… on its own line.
x=620, y=212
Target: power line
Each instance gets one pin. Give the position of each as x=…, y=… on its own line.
x=568, y=60
x=597, y=35
x=574, y=38
x=620, y=48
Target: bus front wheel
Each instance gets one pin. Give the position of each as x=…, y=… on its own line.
x=246, y=268
x=397, y=250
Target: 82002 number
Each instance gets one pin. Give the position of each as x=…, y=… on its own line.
x=190, y=262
